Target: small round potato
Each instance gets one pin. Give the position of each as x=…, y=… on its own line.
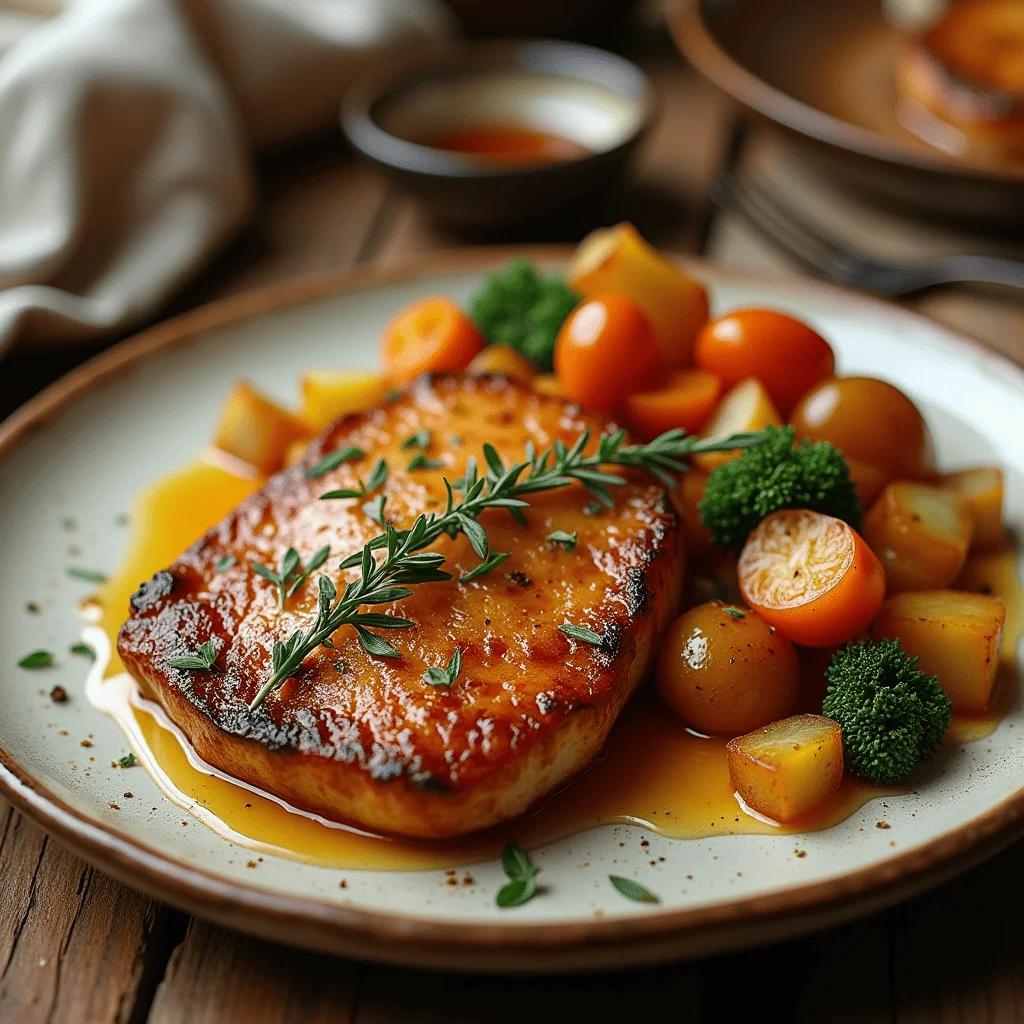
x=725, y=671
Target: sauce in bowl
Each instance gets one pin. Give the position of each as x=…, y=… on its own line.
x=508, y=144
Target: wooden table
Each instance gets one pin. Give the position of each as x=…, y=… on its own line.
x=76, y=946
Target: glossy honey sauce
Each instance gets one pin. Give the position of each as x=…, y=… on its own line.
x=653, y=772
x=508, y=144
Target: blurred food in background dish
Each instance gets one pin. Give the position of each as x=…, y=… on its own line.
x=961, y=83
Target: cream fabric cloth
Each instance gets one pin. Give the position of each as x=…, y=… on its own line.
x=126, y=128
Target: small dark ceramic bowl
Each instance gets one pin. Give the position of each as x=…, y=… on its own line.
x=590, y=97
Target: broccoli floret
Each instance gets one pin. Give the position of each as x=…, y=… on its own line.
x=518, y=307
x=892, y=714
x=773, y=475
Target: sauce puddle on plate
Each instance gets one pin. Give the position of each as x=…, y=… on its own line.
x=653, y=773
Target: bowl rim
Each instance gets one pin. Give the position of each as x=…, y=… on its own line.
x=696, y=41
x=451, y=60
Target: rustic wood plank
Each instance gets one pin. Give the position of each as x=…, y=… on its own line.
x=74, y=945
x=390, y=996
x=216, y=975
x=958, y=953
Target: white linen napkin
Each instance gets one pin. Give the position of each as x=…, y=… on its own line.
x=126, y=128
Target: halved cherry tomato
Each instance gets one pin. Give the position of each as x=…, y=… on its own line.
x=812, y=577
x=867, y=420
x=429, y=335
x=606, y=350
x=686, y=400
x=783, y=353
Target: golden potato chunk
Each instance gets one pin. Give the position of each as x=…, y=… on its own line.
x=921, y=535
x=548, y=384
x=256, y=430
x=789, y=767
x=746, y=407
x=327, y=395
x=983, y=490
x=955, y=636
x=617, y=259
x=504, y=360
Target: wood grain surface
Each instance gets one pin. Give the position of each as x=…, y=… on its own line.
x=76, y=946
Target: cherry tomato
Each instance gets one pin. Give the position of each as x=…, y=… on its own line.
x=780, y=351
x=685, y=400
x=429, y=335
x=724, y=671
x=867, y=420
x=811, y=576
x=606, y=350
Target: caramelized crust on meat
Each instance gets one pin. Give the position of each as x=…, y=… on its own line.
x=968, y=70
x=366, y=740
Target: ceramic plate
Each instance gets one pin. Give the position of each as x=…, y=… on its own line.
x=86, y=447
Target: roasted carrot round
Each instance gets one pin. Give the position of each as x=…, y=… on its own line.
x=429, y=335
x=812, y=577
x=783, y=353
x=687, y=400
x=606, y=350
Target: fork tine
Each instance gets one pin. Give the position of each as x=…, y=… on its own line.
x=797, y=220
x=727, y=193
x=785, y=228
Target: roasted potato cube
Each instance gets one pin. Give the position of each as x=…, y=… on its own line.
x=983, y=491
x=789, y=767
x=617, y=259
x=955, y=636
x=548, y=384
x=256, y=430
x=505, y=360
x=746, y=407
x=327, y=395
x=921, y=535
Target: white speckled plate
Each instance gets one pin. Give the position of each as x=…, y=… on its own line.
x=85, y=448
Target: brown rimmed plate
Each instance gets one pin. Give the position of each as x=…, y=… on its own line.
x=89, y=443
x=824, y=70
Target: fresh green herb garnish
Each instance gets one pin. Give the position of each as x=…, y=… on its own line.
x=632, y=890
x=581, y=633
x=225, y=563
x=83, y=649
x=445, y=676
x=332, y=461
x=128, y=761
x=89, y=575
x=421, y=439
x=567, y=540
x=774, y=475
x=493, y=559
x=378, y=475
x=37, y=659
x=592, y=508
x=518, y=307
x=522, y=875
x=204, y=660
x=420, y=461
x=891, y=713
x=292, y=573
x=406, y=563
x=375, y=509
x=735, y=613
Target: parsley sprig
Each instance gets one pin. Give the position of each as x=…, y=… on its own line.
x=406, y=564
x=522, y=876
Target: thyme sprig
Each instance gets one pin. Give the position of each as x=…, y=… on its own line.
x=406, y=564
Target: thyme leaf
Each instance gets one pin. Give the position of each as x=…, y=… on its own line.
x=633, y=890
x=203, y=660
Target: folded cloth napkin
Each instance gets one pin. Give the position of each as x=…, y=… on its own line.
x=126, y=129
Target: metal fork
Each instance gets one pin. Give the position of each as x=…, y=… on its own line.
x=781, y=225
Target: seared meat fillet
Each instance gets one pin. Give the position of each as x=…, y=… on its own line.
x=366, y=740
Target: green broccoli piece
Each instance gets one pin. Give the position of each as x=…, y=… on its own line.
x=518, y=307
x=773, y=475
x=892, y=714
